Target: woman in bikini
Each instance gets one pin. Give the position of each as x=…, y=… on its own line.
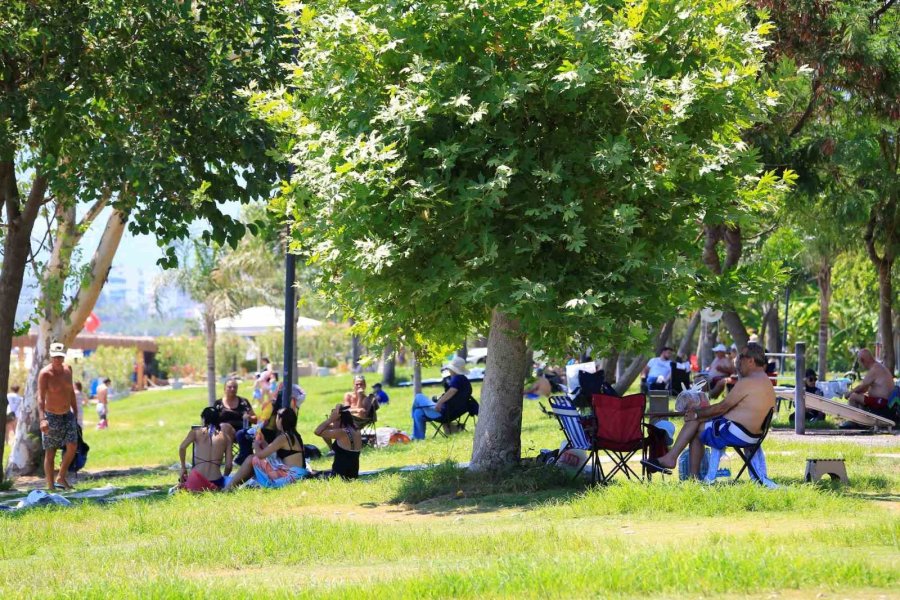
x=277, y=464
x=212, y=448
x=345, y=440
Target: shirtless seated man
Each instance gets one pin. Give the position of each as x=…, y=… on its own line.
x=57, y=408
x=873, y=391
x=358, y=401
x=735, y=421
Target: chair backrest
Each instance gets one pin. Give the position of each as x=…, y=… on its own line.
x=767, y=422
x=619, y=419
x=570, y=421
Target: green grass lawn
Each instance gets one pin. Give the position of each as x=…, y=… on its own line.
x=445, y=532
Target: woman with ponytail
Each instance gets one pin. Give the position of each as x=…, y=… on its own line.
x=277, y=464
x=212, y=448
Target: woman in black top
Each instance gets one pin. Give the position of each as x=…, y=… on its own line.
x=236, y=415
x=347, y=442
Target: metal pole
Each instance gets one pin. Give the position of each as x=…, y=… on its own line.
x=800, y=388
x=290, y=305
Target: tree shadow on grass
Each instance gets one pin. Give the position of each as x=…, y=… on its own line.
x=447, y=488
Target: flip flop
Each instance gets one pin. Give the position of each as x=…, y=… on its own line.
x=654, y=467
x=62, y=486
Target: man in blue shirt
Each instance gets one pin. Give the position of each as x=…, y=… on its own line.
x=453, y=403
x=380, y=394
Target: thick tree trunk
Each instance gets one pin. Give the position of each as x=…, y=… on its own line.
x=609, y=366
x=736, y=328
x=499, y=431
x=388, y=372
x=463, y=351
x=885, y=316
x=824, y=279
x=731, y=236
x=687, y=342
x=16, y=250
x=209, y=329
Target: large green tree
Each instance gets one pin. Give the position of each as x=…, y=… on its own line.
x=132, y=104
x=537, y=169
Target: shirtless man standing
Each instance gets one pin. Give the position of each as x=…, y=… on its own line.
x=736, y=420
x=57, y=409
x=873, y=391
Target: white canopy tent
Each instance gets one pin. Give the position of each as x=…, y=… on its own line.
x=260, y=319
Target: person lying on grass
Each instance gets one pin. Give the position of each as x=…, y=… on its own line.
x=212, y=447
x=277, y=464
x=344, y=439
x=736, y=421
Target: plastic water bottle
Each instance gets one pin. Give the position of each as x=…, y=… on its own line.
x=724, y=467
x=246, y=421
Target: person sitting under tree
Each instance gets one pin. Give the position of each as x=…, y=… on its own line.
x=344, y=439
x=658, y=372
x=212, y=449
x=735, y=421
x=720, y=369
x=454, y=401
x=358, y=402
x=873, y=391
x=277, y=464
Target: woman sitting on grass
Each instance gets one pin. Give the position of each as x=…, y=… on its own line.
x=277, y=464
x=341, y=434
x=211, y=448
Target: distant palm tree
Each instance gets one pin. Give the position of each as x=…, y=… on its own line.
x=224, y=281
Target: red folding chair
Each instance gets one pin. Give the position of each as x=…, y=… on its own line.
x=619, y=431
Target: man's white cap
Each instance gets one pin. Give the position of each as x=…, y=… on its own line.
x=57, y=349
x=720, y=348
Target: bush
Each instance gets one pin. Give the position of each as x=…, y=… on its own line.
x=181, y=356
x=231, y=350
x=115, y=363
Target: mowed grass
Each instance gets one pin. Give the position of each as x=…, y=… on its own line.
x=445, y=532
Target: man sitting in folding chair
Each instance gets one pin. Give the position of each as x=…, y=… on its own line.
x=453, y=403
x=737, y=421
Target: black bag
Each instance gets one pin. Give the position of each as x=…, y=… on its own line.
x=590, y=384
x=81, y=453
x=311, y=452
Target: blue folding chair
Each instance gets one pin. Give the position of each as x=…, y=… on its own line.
x=576, y=437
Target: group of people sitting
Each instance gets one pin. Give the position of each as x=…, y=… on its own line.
x=270, y=449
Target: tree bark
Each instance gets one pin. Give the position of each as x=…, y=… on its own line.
x=417, y=375
x=773, y=329
x=731, y=236
x=824, y=279
x=684, y=348
x=885, y=320
x=631, y=372
x=463, y=351
x=499, y=431
x=16, y=250
x=663, y=338
x=209, y=329
x=388, y=372
x=707, y=342
x=736, y=328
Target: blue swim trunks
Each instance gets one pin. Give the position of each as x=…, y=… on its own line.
x=720, y=432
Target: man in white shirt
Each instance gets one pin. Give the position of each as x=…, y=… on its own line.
x=658, y=371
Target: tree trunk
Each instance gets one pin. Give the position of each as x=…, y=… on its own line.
x=707, y=342
x=663, y=339
x=417, y=375
x=773, y=329
x=631, y=372
x=824, y=279
x=731, y=236
x=609, y=365
x=16, y=250
x=498, y=434
x=463, y=351
x=58, y=323
x=736, y=328
x=885, y=317
x=209, y=329
x=388, y=372
x=684, y=348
